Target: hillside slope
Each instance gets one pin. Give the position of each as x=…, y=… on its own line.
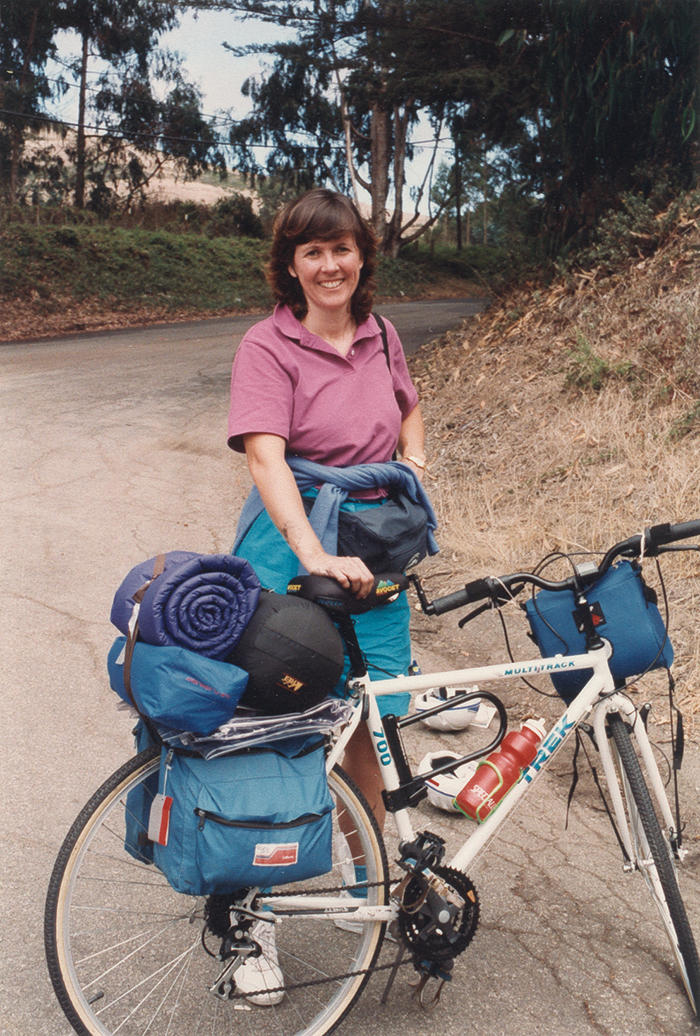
x=567, y=417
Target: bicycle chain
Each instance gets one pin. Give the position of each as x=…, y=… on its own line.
x=234, y=995
x=332, y=888
x=407, y=935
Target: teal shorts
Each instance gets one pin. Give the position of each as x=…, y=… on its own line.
x=382, y=633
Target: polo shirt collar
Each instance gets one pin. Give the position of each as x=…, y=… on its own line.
x=290, y=327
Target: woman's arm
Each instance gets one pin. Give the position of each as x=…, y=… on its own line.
x=278, y=489
x=411, y=445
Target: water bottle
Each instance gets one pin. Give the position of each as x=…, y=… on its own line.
x=497, y=774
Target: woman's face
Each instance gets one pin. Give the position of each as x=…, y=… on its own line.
x=328, y=272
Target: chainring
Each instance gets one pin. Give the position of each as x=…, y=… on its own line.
x=427, y=935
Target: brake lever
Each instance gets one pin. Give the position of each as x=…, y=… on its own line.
x=500, y=597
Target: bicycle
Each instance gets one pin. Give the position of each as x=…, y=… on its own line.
x=129, y=955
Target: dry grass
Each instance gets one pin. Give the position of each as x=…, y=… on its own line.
x=566, y=418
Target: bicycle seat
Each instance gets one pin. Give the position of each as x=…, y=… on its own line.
x=329, y=594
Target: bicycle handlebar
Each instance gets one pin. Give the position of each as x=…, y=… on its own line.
x=501, y=589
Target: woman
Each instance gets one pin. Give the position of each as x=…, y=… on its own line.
x=313, y=381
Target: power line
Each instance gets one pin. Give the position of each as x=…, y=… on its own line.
x=101, y=131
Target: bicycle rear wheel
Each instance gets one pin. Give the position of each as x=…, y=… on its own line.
x=126, y=954
x=655, y=861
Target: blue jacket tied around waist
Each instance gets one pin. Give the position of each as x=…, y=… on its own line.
x=336, y=485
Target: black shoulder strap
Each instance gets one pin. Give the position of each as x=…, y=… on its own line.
x=385, y=346
x=385, y=340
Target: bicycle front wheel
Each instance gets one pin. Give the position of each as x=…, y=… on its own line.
x=655, y=861
x=128, y=955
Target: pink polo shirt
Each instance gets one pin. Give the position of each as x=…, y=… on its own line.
x=332, y=409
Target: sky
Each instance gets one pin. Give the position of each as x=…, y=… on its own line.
x=218, y=74
x=199, y=40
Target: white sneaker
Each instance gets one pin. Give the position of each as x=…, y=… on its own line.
x=259, y=973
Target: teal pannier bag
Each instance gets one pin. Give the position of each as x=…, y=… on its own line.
x=256, y=818
x=177, y=688
x=625, y=615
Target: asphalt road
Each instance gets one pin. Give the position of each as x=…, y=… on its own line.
x=114, y=450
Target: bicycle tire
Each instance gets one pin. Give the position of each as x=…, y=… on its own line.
x=125, y=951
x=655, y=861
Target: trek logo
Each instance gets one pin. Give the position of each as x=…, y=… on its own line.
x=290, y=683
x=550, y=667
x=553, y=739
x=274, y=854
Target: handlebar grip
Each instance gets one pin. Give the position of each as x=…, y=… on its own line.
x=478, y=590
x=660, y=534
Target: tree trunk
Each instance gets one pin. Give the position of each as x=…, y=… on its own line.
x=16, y=141
x=458, y=200
x=17, y=135
x=392, y=235
x=486, y=187
x=79, y=199
x=380, y=150
x=347, y=130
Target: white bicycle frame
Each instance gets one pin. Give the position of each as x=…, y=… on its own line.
x=597, y=697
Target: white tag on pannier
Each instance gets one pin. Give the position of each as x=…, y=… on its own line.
x=159, y=819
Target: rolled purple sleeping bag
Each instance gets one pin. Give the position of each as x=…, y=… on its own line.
x=201, y=602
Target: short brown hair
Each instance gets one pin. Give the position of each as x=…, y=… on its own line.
x=321, y=215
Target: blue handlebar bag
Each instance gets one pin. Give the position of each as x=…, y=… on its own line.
x=625, y=614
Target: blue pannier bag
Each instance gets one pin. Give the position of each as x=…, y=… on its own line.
x=256, y=818
x=177, y=688
x=625, y=614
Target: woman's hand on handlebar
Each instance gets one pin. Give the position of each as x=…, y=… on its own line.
x=351, y=573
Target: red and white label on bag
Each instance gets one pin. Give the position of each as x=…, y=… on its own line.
x=276, y=854
x=159, y=819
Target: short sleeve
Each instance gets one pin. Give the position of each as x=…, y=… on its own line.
x=262, y=389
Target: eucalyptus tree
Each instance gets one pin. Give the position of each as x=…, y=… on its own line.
x=27, y=30
x=618, y=82
x=125, y=34
x=343, y=94
x=332, y=106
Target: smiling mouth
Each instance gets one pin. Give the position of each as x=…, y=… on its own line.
x=331, y=284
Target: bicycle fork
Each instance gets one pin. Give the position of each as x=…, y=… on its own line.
x=630, y=714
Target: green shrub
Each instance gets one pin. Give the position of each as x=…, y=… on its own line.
x=589, y=372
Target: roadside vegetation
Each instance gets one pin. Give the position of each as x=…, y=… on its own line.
x=62, y=271
x=567, y=416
